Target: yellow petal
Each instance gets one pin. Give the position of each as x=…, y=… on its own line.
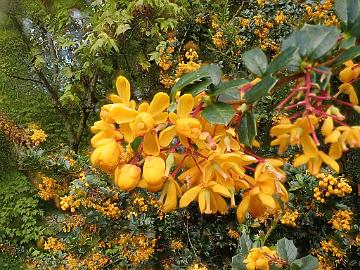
x=173, y=117
x=329, y=161
x=335, y=150
x=103, y=137
x=127, y=132
x=167, y=135
x=221, y=205
x=154, y=170
x=308, y=146
x=122, y=114
x=143, y=107
x=267, y=200
x=123, y=89
x=159, y=103
x=349, y=63
x=127, y=177
x=314, y=165
x=275, y=162
x=333, y=137
x=189, y=196
x=151, y=144
x=171, y=198
x=143, y=184
x=280, y=129
x=160, y=118
x=202, y=201
x=185, y=105
x=348, y=89
x=300, y=160
x=243, y=208
x=102, y=125
x=221, y=190
x=327, y=126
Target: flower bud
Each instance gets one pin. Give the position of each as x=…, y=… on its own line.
x=127, y=177
x=154, y=170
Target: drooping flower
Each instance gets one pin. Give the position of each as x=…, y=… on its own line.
x=127, y=177
x=154, y=171
x=169, y=195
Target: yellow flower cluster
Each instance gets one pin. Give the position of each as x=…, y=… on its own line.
x=176, y=245
x=72, y=222
x=136, y=248
x=38, y=136
x=280, y=17
x=289, y=218
x=330, y=248
x=47, y=188
x=53, y=244
x=182, y=155
x=197, y=266
x=341, y=220
x=191, y=55
x=324, y=264
x=70, y=202
x=95, y=261
x=261, y=3
x=183, y=68
x=260, y=258
x=322, y=12
x=330, y=185
x=218, y=40
x=233, y=234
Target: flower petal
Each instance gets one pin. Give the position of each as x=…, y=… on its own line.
x=122, y=114
x=143, y=107
x=243, y=208
x=202, y=201
x=185, y=105
x=308, y=146
x=171, y=198
x=167, y=135
x=160, y=118
x=189, y=196
x=173, y=117
x=123, y=89
x=159, y=103
x=300, y=160
x=335, y=150
x=267, y=200
x=328, y=126
x=127, y=132
x=329, y=161
x=151, y=144
x=221, y=190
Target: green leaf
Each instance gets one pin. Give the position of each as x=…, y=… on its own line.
x=256, y=61
x=313, y=41
x=347, y=55
x=135, y=144
x=247, y=129
x=245, y=244
x=282, y=60
x=122, y=28
x=348, y=12
x=226, y=91
x=348, y=43
x=286, y=250
x=260, y=89
x=237, y=262
x=198, y=87
x=218, y=113
x=305, y=263
x=211, y=71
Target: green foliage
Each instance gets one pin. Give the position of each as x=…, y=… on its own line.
x=20, y=211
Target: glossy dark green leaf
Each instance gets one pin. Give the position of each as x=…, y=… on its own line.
x=286, y=250
x=305, y=263
x=227, y=91
x=256, y=61
x=247, y=129
x=347, y=55
x=282, y=60
x=313, y=41
x=348, y=12
x=212, y=72
x=237, y=262
x=260, y=89
x=348, y=43
x=198, y=87
x=218, y=113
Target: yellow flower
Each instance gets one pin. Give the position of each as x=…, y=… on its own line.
x=154, y=171
x=259, y=258
x=142, y=121
x=171, y=191
x=349, y=90
x=106, y=156
x=127, y=177
x=209, y=197
x=183, y=125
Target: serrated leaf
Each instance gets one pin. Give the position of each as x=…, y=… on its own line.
x=260, y=89
x=218, y=113
x=313, y=41
x=305, y=263
x=247, y=129
x=347, y=55
x=256, y=61
x=286, y=250
x=226, y=91
x=282, y=60
x=122, y=28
